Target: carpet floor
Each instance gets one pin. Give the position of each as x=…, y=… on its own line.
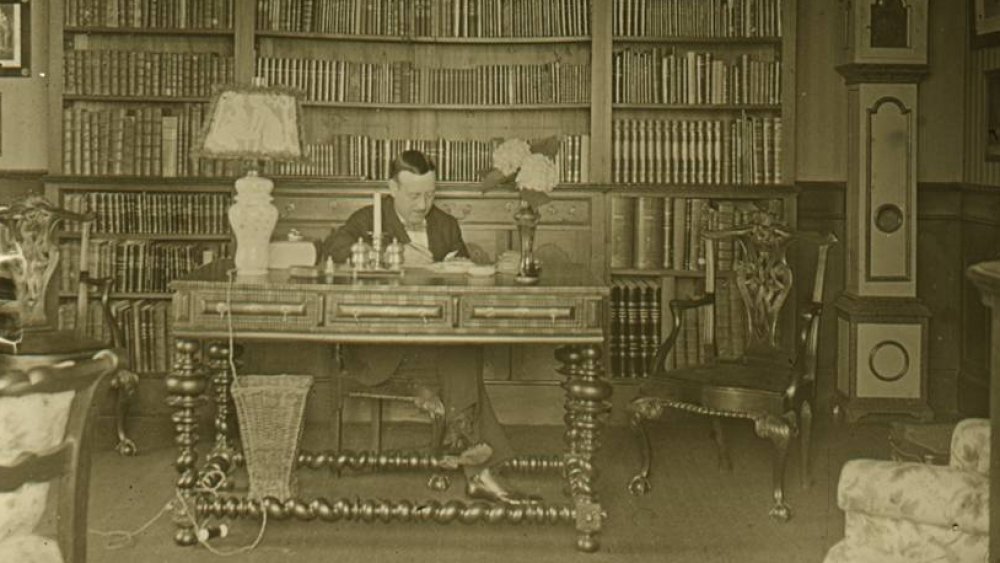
x=694, y=513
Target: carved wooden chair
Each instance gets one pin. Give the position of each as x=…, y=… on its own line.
x=29, y=255
x=765, y=384
x=44, y=440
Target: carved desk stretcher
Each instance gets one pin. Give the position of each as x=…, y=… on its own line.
x=565, y=308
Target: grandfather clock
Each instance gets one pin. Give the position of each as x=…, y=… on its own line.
x=882, y=329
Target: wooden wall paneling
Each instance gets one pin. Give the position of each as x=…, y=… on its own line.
x=940, y=281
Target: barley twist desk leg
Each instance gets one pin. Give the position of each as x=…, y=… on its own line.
x=186, y=386
x=586, y=402
x=217, y=359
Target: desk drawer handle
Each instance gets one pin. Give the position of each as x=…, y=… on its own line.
x=272, y=309
x=423, y=312
x=522, y=313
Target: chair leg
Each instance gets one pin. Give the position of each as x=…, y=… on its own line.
x=725, y=462
x=779, y=431
x=640, y=410
x=805, y=439
x=124, y=384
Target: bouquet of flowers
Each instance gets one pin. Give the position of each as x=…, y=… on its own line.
x=528, y=167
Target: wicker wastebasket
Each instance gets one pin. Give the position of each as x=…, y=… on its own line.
x=270, y=409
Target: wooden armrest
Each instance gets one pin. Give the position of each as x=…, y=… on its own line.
x=677, y=307
x=692, y=303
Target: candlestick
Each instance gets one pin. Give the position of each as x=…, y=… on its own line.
x=377, y=212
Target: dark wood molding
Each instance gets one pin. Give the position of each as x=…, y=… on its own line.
x=27, y=174
x=856, y=73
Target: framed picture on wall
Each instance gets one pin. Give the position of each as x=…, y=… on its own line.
x=985, y=23
x=15, y=38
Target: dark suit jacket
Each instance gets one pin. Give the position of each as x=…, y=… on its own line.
x=372, y=364
x=443, y=233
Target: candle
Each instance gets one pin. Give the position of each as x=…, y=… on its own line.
x=377, y=211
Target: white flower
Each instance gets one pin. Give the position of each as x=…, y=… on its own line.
x=507, y=158
x=538, y=173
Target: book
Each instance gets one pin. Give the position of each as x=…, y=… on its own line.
x=648, y=242
x=623, y=219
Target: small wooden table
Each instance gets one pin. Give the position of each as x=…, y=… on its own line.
x=566, y=307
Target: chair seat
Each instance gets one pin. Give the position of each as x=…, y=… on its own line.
x=724, y=385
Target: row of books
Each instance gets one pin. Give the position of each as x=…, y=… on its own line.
x=137, y=266
x=697, y=18
x=145, y=326
x=428, y=18
x=651, y=232
x=400, y=82
x=152, y=212
x=368, y=158
x=137, y=73
x=156, y=14
x=655, y=76
x=641, y=319
x=743, y=150
x=140, y=140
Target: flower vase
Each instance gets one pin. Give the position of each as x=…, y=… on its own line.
x=252, y=218
x=527, y=218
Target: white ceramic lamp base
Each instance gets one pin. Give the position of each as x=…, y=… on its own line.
x=252, y=218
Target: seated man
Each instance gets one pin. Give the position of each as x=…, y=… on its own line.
x=430, y=235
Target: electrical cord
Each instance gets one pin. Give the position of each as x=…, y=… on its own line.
x=209, y=483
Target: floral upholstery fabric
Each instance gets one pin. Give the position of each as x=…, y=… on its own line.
x=910, y=512
x=30, y=549
x=28, y=424
x=970, y=445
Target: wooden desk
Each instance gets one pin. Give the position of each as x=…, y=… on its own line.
x=986, y=276
x=566, y=307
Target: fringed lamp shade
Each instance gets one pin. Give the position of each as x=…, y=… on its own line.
x=252, y=124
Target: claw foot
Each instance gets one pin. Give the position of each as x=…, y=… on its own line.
x=639, y=485
x=780, y=513
x=126, y=448
x=439, y=482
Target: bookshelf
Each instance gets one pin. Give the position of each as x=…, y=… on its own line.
x=143, y=236
x=679, y=104
x=701, y=107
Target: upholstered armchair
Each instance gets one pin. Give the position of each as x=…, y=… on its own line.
x=907, y=511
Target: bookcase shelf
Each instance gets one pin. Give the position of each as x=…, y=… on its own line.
x=135, y=99
x=691, y=40
x=149, y=236
x=172, y=31
x=656, y=272
x=702, y=90
x=700, y=107
x=449, y=107
x=117, y=295
x=462, y=41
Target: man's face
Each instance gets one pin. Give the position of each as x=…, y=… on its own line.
x=413, y=195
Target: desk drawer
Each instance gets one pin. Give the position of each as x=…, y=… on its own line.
x=260, y=310
x=408, y=312
x=533, y=311
x=314, y=208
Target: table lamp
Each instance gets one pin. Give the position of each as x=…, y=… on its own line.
x=253, y=124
